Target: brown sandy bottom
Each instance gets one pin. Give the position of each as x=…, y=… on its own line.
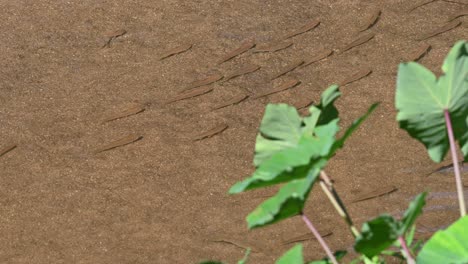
x=107, y=169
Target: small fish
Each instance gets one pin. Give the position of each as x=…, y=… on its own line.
x=243, y=48
x=459, y=14
x=303, y=104
x=274, y=47
x=131, y=110
x=285, y=86
x=207, y=80
x=359, y=41
x=317, y=57
x=211, y=132
x=356, y=76
x=238, y=244
x=418, y=53
x=242, y=71
x=119, y=142
x=190, y=93
x=374, y=194
x=235, y=100
x=309, y=26
x=371, y=21
x=287, y=69
x=418, y=5
x=450, y=169
x=7, y=149
x=443, y=29
x=175, y=51
x=305, y=237
x=113, y=35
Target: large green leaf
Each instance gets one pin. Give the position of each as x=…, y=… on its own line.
x=282, y=127
x=295, y=162
x=292, y=256
x=448, y=246
x=377, y=235
x=289, y=201
x=421, y=100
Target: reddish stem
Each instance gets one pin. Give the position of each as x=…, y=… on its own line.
x=319, y=238
x=405, y=248
x=456, y=168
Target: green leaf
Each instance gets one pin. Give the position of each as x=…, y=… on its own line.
x=413, y=211
x=338, y=255
x=295, y=162
x=289, y=201
x=409, y=237
x=447, y=246
x=421, y=100
x=282, y=127
x=326, y=106
x=383, y=231
x=293, y=256
x=377, y=235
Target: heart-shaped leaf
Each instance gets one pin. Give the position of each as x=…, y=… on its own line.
x=282, y=127
x=421, y=100
x=448, y=246
x=295, y=162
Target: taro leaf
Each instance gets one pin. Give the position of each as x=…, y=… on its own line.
x=292, y=256
x=338, y=255
x=295, y=162
x=377, y=235
x=421, y=100
x=349, y=131
x=289, y=201
x=413, y=211
x=282, y=127
x=447, y=246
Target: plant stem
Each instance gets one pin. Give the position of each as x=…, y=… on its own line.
x=319, y=238
x=405, y=248
x=327, y=187
x=456, y=168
